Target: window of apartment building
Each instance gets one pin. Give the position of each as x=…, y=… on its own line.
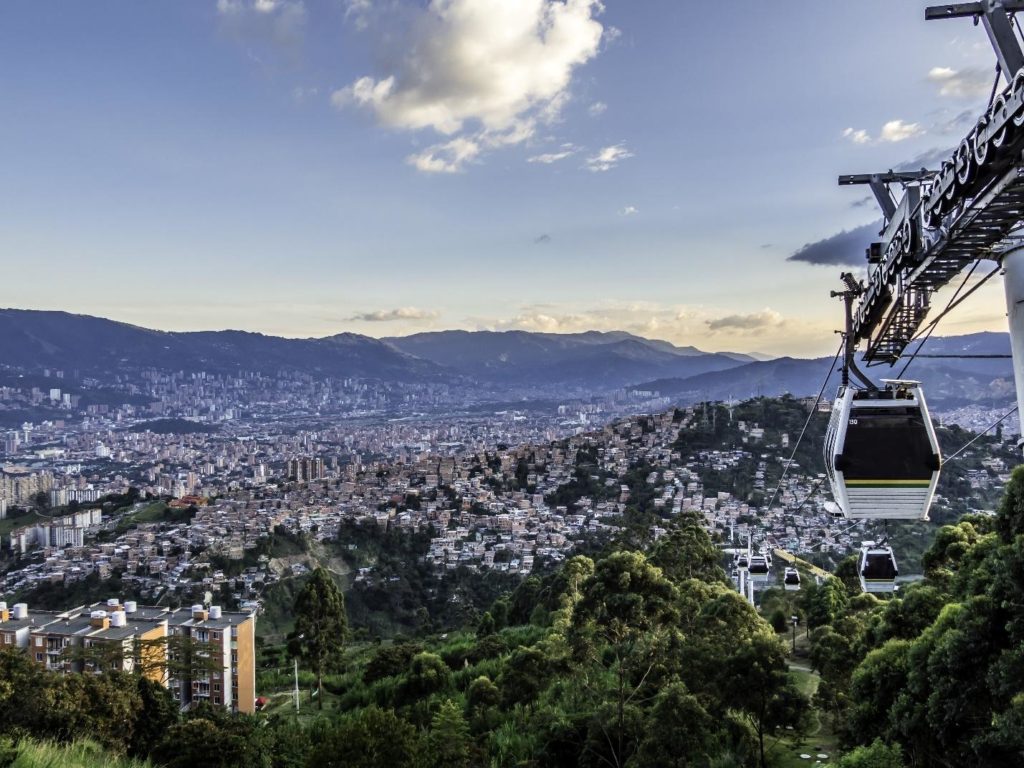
x=202, y=635
x=39, y=657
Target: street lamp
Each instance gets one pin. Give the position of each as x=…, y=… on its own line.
x=795, y=620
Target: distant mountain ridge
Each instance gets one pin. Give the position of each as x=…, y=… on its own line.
x=947, y=382
x=577, y=363
x=594, y=359
x=31, y=338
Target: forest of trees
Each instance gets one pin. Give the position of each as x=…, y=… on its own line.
x=638, y=657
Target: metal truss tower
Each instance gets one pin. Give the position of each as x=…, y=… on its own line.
x=944, y=220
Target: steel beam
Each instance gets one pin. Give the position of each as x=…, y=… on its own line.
x=879, y=186
x=994, y=16
x=960, y=10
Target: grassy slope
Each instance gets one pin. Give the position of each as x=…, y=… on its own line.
x=80, y=754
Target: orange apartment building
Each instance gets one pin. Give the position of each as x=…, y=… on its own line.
x=201, y=654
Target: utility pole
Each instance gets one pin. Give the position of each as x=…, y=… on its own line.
x=796, y=620
x=296, y=685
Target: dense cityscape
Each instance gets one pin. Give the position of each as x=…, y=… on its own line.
x=490, y=384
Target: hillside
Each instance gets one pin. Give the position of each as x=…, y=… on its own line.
x=35, y=339
x=948, y=382
x=591, y=360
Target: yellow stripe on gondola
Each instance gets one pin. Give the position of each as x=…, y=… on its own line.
x=890, y=483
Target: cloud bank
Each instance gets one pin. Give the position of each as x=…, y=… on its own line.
x=846, y=248
x=391, y=315
x=484, y=73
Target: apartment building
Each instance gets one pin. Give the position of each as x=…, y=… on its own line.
x=222, y=670
x=202, y=654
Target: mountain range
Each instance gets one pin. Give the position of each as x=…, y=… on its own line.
x=589, y=361
x=949, y=382
x=577, y=363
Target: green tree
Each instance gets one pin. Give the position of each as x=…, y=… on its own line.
x=524, y=675
x=679, y=732
x=824, y=603
x=486, y=626
x=369, y=738
x=320, y=626
x=449, y=742
x=482, y=694
x=427, y=674
x=877, y=755
x=757, y=679
x=687, y=552
x=158, y=713
x=216, y=739
x=621, y=630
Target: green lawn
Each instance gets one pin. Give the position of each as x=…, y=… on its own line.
x=820, y=739
x=150, y=513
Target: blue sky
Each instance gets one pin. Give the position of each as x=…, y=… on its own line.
x=304, y=167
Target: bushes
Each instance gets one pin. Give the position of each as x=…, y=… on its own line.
x=79, y=754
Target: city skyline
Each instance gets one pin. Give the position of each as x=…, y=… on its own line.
x=308, y=168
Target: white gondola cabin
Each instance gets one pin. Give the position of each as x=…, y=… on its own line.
x=791, y=580
x=881, y=453
x=759, y=569
x=877, y=568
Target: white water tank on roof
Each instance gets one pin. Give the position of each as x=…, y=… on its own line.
x=20, y=611
x=118, y=619
x=113, y=602
x=130, y=606
x=98, y=615
x=214, y=611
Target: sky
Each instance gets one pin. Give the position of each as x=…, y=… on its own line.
x=386, y=167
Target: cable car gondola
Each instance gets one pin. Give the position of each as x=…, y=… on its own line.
x=791, y=580
x=877, y=568
x=881, y=453
x=759, y=569
x=742, y=562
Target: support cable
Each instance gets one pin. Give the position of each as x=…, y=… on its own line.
x=808, y=421
x=981, y=434
x=955, y=301
x=810, y=493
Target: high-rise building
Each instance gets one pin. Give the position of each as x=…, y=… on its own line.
x=305, y=470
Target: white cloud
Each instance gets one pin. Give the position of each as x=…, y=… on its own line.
x=449, y=157
x=753, y=323
x=706, y=327
x=629, y=210
x=858, y=136
x=971, y=83
x=898, y=130
x=283, y=21
x=597, y=108
x=607, y=158
x=389, y=315
x=892, y=132
x=486, y=71
x=566, y=150
x=359, y=11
